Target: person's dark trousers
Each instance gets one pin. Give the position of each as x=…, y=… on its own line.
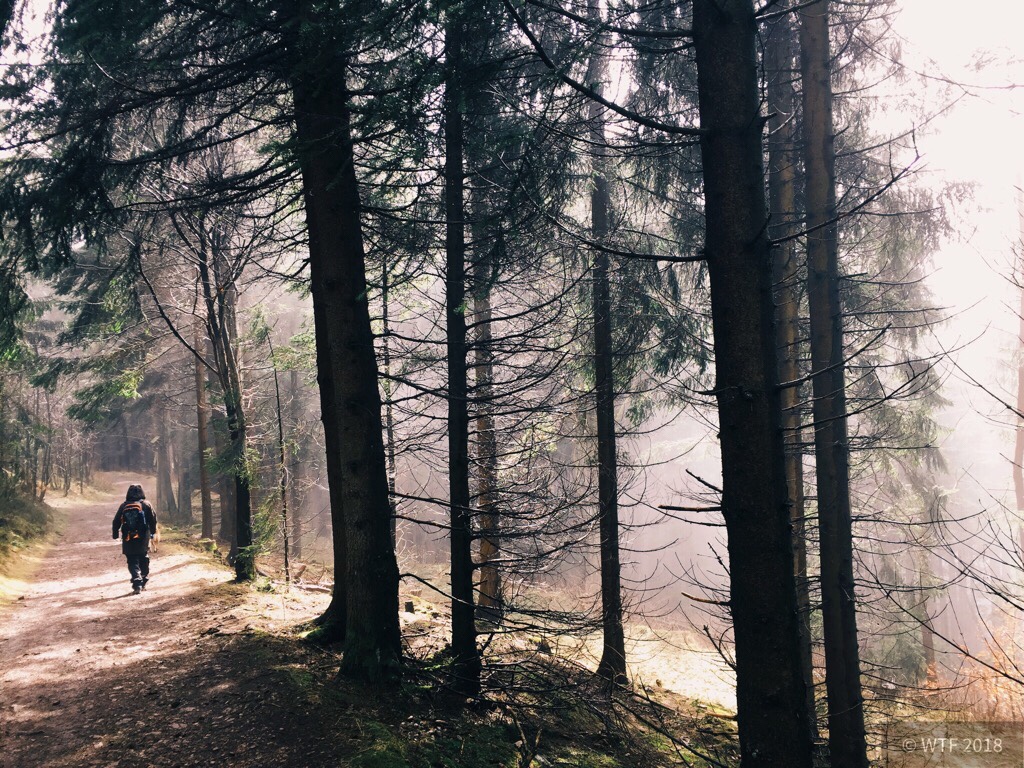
x=138, y=567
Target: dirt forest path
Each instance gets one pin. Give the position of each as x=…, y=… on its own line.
x=184, y=674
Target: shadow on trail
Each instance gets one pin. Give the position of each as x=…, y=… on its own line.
x=234, y=699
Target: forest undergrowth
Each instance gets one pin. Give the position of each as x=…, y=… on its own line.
x=24, y=523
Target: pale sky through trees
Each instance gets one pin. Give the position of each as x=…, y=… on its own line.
x=973, y=56
x=978, y=140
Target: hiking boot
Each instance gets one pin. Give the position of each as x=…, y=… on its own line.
x=145, y=581
x=136, y=587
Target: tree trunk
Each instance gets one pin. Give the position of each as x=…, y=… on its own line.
x=372, y=648
x=490, y=598
x=164, y=487
x=296, y=464
x=771, y=696
x=782, y=165
x=612, y=666
x=220, y=297
x=389, y=408
x=225, y=486
x=847, y=744
x=126, y=447
x=282, y=468
x=466, y=656
x=332, y=622
x=931, y=670
x=203, y=439
x=185, y=475
x=242, y=551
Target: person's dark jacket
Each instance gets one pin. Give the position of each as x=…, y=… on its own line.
x=139, y=546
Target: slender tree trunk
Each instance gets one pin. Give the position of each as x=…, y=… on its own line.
x=466, y=656
x=238, y=433
x=245, y=557
x=32, y=446
x=847, y=743
x=220, y=297
x=782, y=164
x=242, y=551
x=389, y=408
x=203, y=438
x=164, y=487
x=296, y=464
x=185, y=475
x=126, y=448
x=772, y=712
x=490, y=598
x=372, y=648
x=931, y=670
x=226, y=489
x=47, y=448
x=282, y=469
x=3, y=421
x=612, y=666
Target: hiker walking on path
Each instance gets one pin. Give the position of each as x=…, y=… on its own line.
x=135, y=522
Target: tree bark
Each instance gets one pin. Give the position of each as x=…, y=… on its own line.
x=220, y=298
x=203, y=439
x=282, y=468
x=389, y=408
x=466, y=656
x=771, y=697
x=847, y=743
x=332, y=622
x=345, y=350
x=296, y=463
x=782, y=165
x=185, y=491
x=164, y=487
x=612, y=666
x=490, y=598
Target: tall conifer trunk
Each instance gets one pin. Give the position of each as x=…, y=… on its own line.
x=771, y=697
x=612, y=666
x=346, y=359
x=487, y=445
x=782, y=167
x=332, y=622
x=847, y=744
x=466, y=656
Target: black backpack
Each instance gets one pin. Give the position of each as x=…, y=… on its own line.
x=133, y=522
